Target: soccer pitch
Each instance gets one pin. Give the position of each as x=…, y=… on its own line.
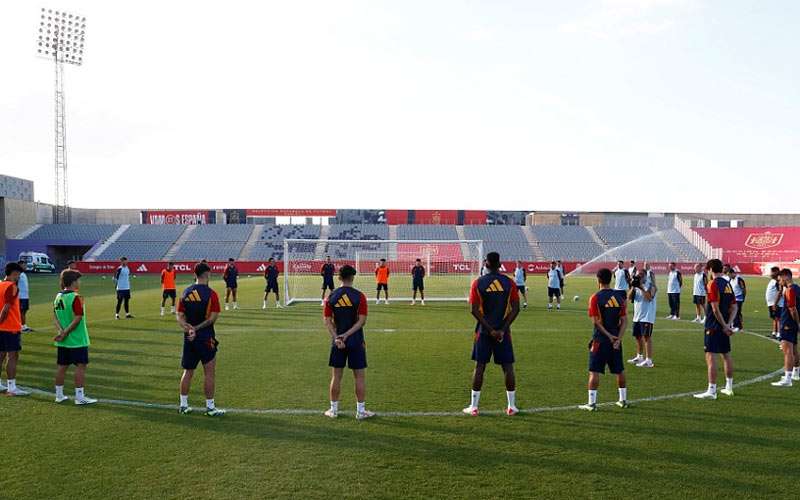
x=272, y=375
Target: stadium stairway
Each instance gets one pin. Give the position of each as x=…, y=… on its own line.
x=92, y=254
x=393, y=246
x=597, y=239
x=173, y=250
x=322, y=244
x=24, y=234
x=464, y=247
x=534, y=243
x=675, y=249
x=255, y=237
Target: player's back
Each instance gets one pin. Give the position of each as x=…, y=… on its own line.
x=346, y=304
x=494, y=292
x=9, y=295
x=197, y=303
x=610, y=305
x=791, y=297
x=719, y=290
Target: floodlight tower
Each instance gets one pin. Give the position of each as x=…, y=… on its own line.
x=61, y=38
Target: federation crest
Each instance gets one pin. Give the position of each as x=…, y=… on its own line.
x=762, y=241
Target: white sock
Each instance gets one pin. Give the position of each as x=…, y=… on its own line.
x=729, y=383
x=265, y=304
x=210, y=403
x=558, y=306
x=172, y=309
x=648, y=360
x=79, y=393
x=334, y=406
x=788, y=375
x=12, y=385
x=184, y=400
x=59, y=391
x=623, y=393
x=796, y=370
x=361, y=406
x=512, y=398
x=712, y=388
x=549, y=306
x=592, y=397
x=475, y=398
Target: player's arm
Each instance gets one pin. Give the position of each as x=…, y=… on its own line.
x=649, y=293
x=631, y=293
x=789, y=298
x=62, y=334
x=478, y=315
x=11, y=292
x=362, y=320
x=718, y=316
x=162, y=277
x=188, y=329
x=598, y=322
x=116, y=274
x=680, y=279
x=743, y=285
x=514, y=312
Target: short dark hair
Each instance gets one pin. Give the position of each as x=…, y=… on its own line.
x=604, y=276
x=383, y=260
x=201, y=268
x=633, y=261
x=775, y=269
x=714, y=265
x=230, y=259
x=68, y=277
x=347, y=272
x=13, y=267
x=671, y=263
x=123, y=258
x=620, y=261
x=170, y=263
x=786, y=273
x=271, y=259
x=419, y=260
x=493, y=260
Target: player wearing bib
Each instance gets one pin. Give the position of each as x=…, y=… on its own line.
x=382, y=279
x=494, y=300
x=643, y=296
x=788, y=328
x=622, y=277
x=231, y=278
x=418, y=281
x=674, y=284
x=271, y=275
x=168, y=289
x=72, y=337
x=24, y=297
x=122, y=278
x=553, y=287
x=520, y=278
x=740, y=291
x=607, y=308
x=774, y=298
x=198, y=309
x=720, y=312
x=10, y=328
x=345, y=315
x=699, y=283
x=327, y=272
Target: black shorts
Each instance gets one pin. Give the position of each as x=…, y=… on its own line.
x=10, y=342
x=699, y=300
x=354, y=355
x=327, y=284
x=717, y=342
x=72, y=356
x=418, y=286
x=602, y=354
x=642, y=329
x=123, y=294
x=789, y=334
x=168, y=294
x=485, y=347
x=553, y=292
x=198, y=351
x=24, y=305
x=383, y=286
x=271, y=287
x=232, y=285
x=775, y=312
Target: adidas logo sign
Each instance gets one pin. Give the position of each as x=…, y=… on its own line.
x=344, y=301
x=141, y=269
x=261, y=268
x=495, y=287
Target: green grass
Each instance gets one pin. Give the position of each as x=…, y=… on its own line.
x=419, y=361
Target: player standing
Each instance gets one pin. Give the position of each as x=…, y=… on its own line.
x=788, y=328
x=495, y=305
x=198, y=309
x=345, y=315
x=740, y=291
x=720, y=312
x=418, y=281
x=168, y=289
x=520, y=278
x=231, y=278
x=271, y=275
x=24, y=297
x=553, y=287
x=560, y=268
x=774, y=297
x=674, y=284
x=643, y=295
x=122, y=278
x=10, y=327
x=72, y=337
x=327, y=272
x=382, y=278
x=622, y=277
x=607, y=308
x=700, y=281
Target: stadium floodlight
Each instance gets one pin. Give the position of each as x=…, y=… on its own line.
x=61, y=38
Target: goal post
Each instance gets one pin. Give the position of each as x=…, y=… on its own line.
x=450, y=266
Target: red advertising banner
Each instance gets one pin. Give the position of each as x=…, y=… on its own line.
x=396, y=217
x=475, y=217
x=188, y=217
x=435, y=216
x=290, y=212
x=155, y=267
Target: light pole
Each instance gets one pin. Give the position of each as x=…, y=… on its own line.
x=61, y=38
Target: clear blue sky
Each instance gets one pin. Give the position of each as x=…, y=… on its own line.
x=448, y=104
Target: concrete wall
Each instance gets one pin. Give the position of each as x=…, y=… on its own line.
x=16, y=216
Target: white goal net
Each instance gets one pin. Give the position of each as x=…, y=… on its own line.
x=450, y=266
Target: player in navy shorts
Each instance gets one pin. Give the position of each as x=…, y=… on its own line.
x=721, y=309
x=271, y=275
x=198, y=309
x=608, y=311
x=327, y=272
x=789, y=322
x=494, y=298
x=418, y=282
x=345, y=315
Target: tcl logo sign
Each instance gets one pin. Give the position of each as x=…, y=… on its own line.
x=183, y=267
x=462, y=267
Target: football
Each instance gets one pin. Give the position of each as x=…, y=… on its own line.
x=576, y=298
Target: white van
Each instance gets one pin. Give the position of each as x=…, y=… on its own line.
x=37, y=262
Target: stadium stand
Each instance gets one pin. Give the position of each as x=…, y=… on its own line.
x=638, y=221
x=143, y=242
x=73, y=232
x=426, y=232
x=510, y=241
x=566, y=242
x=270, y=243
